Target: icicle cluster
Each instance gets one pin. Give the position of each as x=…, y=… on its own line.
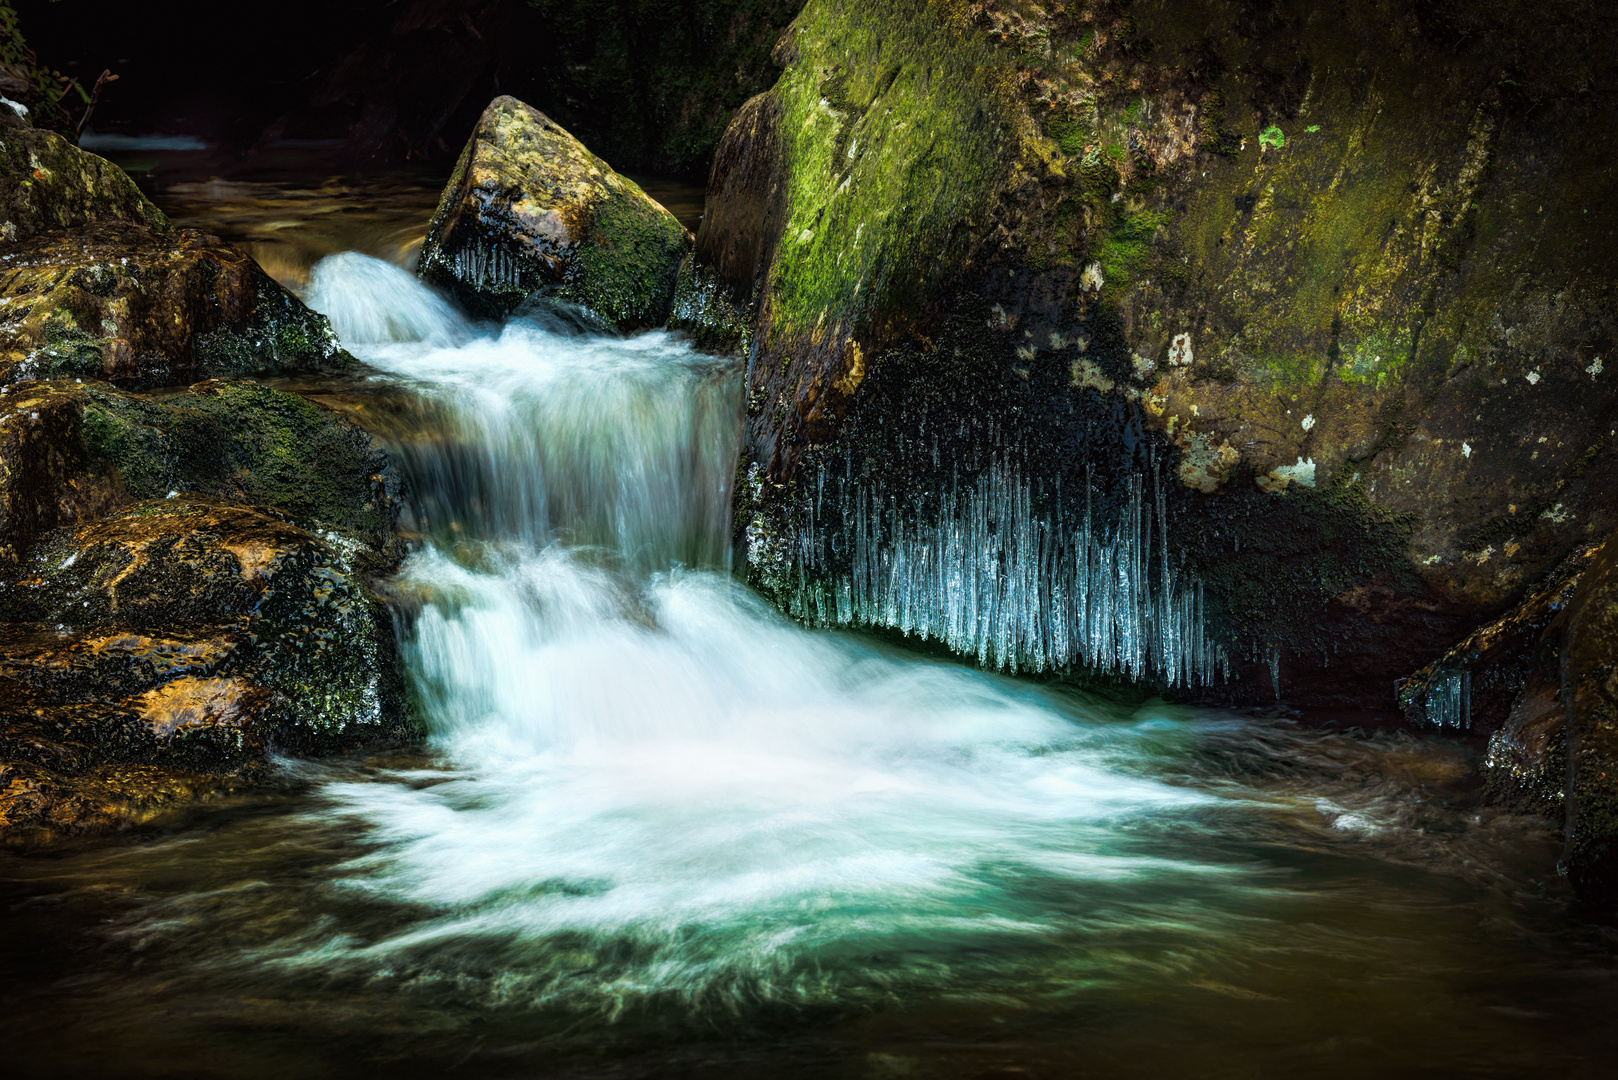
x=489, y=267
x=980, y=570
x=1449, y=701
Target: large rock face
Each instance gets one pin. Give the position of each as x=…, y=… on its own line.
x=1245, y=294
x=531, y=212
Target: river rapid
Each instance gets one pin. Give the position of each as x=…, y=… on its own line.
x=659, y=830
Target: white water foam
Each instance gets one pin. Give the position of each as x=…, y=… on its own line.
x=654, y=783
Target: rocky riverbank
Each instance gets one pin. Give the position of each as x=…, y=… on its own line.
x=185, y=575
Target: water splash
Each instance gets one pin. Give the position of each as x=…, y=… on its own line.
x=371, y=302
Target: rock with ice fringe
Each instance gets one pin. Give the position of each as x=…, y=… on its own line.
x=530, y=211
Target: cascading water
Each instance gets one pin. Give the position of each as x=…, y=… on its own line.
x=669, y=784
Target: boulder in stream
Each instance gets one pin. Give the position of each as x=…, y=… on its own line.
x=182, y=639
x=95, y=283
x=531, y=212
x=47, y=183
x=185, y=586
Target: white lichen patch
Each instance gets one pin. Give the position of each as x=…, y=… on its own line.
x=1086, y=374
x=1466, y=450
x=1557, y=514
x=1308, y=422
x=1595, y=367
x=1092, y=279
x=1532, y=377
x=1180, y=350
x=1144, y=365
x=1277, y=479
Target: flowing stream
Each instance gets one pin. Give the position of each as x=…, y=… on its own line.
x=661, y=830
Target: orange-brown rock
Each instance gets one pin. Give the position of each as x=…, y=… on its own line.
x=182, y=635
x=141, y=307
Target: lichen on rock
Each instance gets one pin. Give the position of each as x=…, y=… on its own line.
x=529, y=210
x=269, y=640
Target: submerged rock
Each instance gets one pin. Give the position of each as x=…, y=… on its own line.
x=188, y=635
x=531, y=211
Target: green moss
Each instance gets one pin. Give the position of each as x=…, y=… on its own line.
x=246, y=443
x=627, y=270
x=1272, y=137
x=282, y=335
x=1376, y=358
x=1124, y=249
x=69, y=350
x=888, y=182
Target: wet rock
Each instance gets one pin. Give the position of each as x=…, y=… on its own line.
x=70, y=452
x=47, y=183
x=187, y=638
x=1542, y=683
x=530, y=210
x=47, y=475
x=1495, y=663
x=1589, y=670
x=1352, y=335
x=141, y=307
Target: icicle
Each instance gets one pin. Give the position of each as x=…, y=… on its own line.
x=976, y=567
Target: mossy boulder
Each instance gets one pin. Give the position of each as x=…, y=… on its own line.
x=140, y=308
x=71, y=451
x=1347, y=316
x=48, y=184
x=186, y=636
x=531, y=212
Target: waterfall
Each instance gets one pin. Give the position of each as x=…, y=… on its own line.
x=648, y=782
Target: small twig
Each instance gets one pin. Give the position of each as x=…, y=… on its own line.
x=105, y=77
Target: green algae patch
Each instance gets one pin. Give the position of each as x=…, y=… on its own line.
x=626, y=270
x=1272, y=137
x=898, y=124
